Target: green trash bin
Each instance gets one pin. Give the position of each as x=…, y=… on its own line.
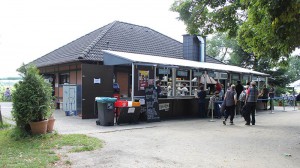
x=106, y=114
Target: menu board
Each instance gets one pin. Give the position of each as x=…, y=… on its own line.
x=197, y=74
x=151, y=102
x=164, y=71
x=182, y=73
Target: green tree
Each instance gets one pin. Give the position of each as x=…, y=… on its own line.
x=221, y=46
x=293, y=72
x=263, y=28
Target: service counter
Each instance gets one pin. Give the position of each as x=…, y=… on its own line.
x=179, y=107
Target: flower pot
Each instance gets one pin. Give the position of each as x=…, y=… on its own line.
x=39, y=127
x=50, y=124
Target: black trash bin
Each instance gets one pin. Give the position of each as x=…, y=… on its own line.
x=106, y=114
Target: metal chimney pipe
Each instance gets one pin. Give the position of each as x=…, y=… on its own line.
x=202, y=48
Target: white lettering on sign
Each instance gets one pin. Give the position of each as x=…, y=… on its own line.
x=131, y=110
x=142, y=101
x=164, y=106
x=97, y=80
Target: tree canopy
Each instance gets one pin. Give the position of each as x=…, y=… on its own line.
x=220, y=46
x=227, y=50
x=264, y=28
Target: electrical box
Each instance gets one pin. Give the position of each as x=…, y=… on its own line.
x=70, y=99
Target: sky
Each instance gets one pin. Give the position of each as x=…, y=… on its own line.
x=32, y=28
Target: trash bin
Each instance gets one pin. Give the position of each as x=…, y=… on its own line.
x=128, y=112
x=105, y=106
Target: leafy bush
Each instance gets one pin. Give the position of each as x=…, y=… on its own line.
x=32, y=97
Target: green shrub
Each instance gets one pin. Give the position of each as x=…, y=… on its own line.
x=32, y=97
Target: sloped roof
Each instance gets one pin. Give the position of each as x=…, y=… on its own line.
x=116, y=36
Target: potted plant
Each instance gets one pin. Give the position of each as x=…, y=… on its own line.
x=50, y=124
x=51, y=119
x=32, y=101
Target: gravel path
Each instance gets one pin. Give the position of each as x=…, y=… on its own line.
x=274, y=142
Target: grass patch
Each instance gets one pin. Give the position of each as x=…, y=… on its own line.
x=39, y=151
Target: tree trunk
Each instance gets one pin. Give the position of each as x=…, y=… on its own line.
x=255, y=63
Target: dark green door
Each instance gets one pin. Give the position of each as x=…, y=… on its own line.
x=97, y=81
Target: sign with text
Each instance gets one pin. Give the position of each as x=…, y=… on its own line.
x=151, y=102
x=182, y=73
x=197, y=74
x=164, y=106
x=164, y=71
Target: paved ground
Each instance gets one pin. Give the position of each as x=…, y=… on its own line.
x=273, y=142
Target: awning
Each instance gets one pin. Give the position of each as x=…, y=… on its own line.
x=123, y=58
x=209, y=80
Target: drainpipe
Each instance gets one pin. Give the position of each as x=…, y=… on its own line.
x=132, y=81
x=205, y=80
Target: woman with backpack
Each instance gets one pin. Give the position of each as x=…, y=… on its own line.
x=230, y=102
x=242, y=99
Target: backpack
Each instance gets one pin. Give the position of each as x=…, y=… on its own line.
x=242, y=96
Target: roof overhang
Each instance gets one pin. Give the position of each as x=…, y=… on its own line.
x=124, y=58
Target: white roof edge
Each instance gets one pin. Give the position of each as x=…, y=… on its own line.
x=159, y=60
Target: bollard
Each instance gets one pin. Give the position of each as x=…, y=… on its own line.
x=212, y=113
x=283, y=104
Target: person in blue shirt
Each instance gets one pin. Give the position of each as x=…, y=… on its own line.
x=7, y=94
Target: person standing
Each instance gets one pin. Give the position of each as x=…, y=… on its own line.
x=251, y=99
x=264, y=96
x=271, y=96
x=201, y=102
x=221, y=93
x=239, y=88
x=218, y=87
x=230, y=102
x=158, y=87
x=242, y=99
x=7, y=94
x=184, y=90
x=213, y=105
x=169, y=88
x=298, y=99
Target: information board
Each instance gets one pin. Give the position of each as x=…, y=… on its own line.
x=164, y=71
x=151, y=102
x=197, y=74
x=182, y=73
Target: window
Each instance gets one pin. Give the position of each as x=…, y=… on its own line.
x=64, y=78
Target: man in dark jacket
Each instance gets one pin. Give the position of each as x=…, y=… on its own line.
x=271, y=96
x=239, y=88
x=298, y=97
x=251, y=99
x=201, y=102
